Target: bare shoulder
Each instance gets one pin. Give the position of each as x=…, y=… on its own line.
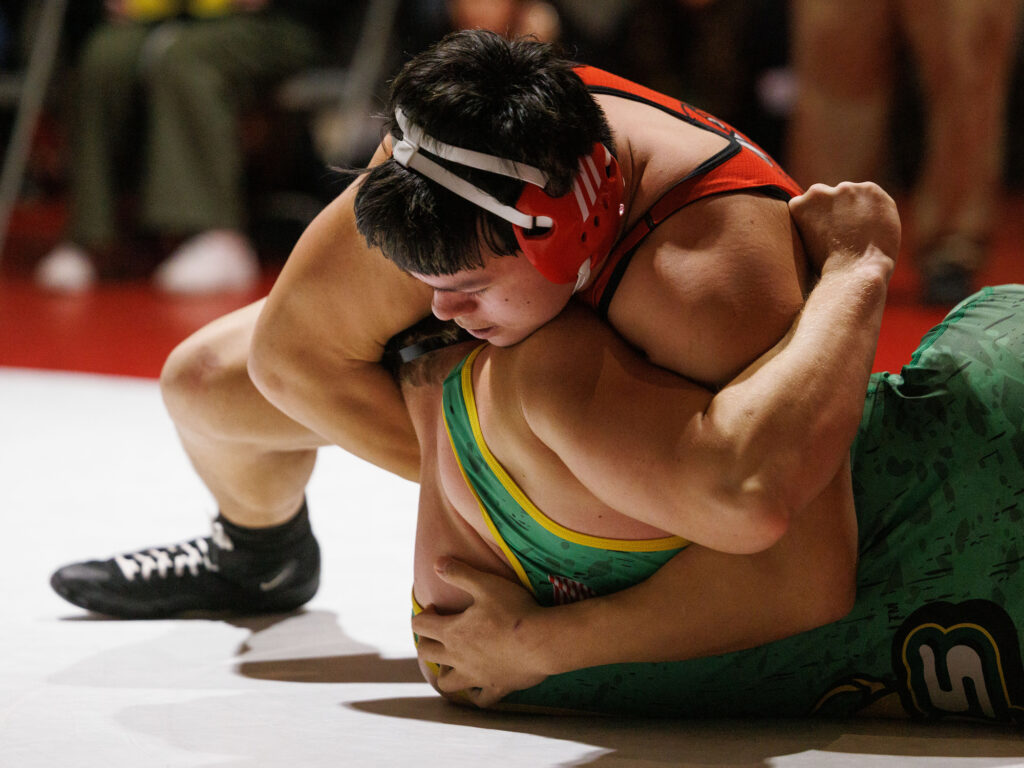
x=715, y=286
x=658, y=148
x=561, y=363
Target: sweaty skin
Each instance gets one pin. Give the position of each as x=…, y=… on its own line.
x=604, y=444
x=717, y=284
x=713, y=287
x=725, y=274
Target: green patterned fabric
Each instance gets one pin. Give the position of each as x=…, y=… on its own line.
x=938, y=469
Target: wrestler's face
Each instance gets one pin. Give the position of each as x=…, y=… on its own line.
x=503, y=301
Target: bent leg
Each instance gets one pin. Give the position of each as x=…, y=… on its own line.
x=950, y=425
x=254, y=459
x=964, y=53
x=843, y=62
x=261, y=554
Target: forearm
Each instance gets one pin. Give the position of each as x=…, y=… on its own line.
x=709, y=602
x=725, y=470
x=319, y=338
x=350, y=403
x=787, y=422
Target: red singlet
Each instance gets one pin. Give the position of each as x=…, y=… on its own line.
x=740, y=166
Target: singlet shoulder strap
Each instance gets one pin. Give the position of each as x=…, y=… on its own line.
x=739, y=166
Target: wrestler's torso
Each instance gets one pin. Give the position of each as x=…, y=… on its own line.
x=448, y=523
x=453, y=519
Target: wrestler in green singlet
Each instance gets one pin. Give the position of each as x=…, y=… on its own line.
x=938, y=468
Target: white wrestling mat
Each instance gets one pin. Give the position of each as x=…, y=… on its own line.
x=90, y=466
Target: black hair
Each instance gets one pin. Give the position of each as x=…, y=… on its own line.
x=517, y=99
x=407, y=354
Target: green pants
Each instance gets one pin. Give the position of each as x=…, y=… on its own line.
x=938, y=470
x=188, y=81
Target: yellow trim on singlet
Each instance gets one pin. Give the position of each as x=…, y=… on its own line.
x=499, y=540
x=434, y=668
x=597, y=542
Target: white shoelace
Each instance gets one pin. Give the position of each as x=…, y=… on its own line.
x=188, y=555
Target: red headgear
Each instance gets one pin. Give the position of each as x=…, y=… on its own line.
x=563, y=237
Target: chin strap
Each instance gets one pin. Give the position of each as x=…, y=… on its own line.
x=582, y=276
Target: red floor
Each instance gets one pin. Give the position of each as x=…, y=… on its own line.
x=129, y=328
x=125, y=329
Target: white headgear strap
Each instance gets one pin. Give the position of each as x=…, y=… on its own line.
x=406, y=152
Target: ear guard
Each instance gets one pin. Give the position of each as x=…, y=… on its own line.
x=562, y=237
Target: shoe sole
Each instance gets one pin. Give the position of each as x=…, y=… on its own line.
x=111, y=605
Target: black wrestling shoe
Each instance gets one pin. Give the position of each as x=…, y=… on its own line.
x=235, y=569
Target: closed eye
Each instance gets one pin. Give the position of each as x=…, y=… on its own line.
x=463, y=291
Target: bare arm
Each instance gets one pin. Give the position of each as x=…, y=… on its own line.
x=725, y=470
x=724, y=603
x=701, y=603
x=320, y=336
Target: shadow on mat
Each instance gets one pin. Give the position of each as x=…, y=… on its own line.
x=361, y=668
x=305, y=646
x=647, y=741
x=310, y=646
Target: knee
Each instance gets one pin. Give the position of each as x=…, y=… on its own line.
x=196, y=383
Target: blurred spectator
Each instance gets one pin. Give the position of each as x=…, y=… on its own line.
x=728, y=57
x=160, y=87
x=844, y=57
x=514, y=18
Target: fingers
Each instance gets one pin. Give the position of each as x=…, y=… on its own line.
x=447, y=679
x=429, y=624
x=823, y=193
x=846, y=209
x=461, y=575
x=433, y=652
x=450, y=680
x=482, y=698
x=486, y=697
x=460, y=688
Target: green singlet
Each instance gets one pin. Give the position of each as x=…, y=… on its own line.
x=938, y=467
